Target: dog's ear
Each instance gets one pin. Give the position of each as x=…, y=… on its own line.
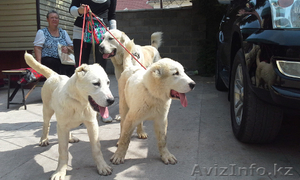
x=81, y=70
x=130, y=45
x=157, y=71
x=122, y=40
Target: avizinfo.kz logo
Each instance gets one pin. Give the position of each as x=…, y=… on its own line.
x=234, y=170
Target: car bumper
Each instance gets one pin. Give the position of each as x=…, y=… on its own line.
x=289, y=98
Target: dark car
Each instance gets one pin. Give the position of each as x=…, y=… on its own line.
x=1, y=82
x=258, y=62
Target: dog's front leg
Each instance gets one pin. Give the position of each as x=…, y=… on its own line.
x=93, y=132
x=127, y=128
x=63, y=142
x=160, y=127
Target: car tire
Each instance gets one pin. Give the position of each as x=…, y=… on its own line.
x=252, y=120
x=219, y=83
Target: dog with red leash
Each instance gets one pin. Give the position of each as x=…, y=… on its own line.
x=74, y=100
x=147, y=95
x=111, y=49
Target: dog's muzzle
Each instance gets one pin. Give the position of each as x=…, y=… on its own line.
x=94, y=105
x=97, y=107
x=102, y=110
x=109, y=55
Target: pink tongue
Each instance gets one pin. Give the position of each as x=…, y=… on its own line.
x=105, y=56
x=104, y=112
x=183, y=99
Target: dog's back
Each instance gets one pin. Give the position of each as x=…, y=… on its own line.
x=150, y=53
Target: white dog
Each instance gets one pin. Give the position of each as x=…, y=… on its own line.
x=74, y=101
x=147, y=95
x=111, y=49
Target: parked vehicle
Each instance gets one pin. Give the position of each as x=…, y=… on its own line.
x=258, y=62
x=1, y=82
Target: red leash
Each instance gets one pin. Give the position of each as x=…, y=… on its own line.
x=87, y=9
x=83, y=25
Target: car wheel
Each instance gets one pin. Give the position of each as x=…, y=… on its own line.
x=253, y=120
x=219, y=84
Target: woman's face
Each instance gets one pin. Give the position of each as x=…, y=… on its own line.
x=53, y=20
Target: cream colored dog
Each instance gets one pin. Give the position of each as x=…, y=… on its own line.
x=265, y=74
x=147, y=95
x=111, y=49
x=74, y=101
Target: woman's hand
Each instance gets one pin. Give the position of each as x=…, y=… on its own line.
x=64, y=49
x=81, y=8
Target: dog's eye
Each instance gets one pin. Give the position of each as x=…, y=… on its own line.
x=108, y=82
x=176, y=73
x=96, y=84
x=110, y=38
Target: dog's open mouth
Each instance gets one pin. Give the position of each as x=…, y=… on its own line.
x=181, y=96
x=112, y=54
x=102, y=110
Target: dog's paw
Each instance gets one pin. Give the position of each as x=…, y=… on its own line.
x=117, y=159
x=169, y=159
x=142, y=135
x=58, y=176
x=73, y=140
x=104, y=170
x=44, y=142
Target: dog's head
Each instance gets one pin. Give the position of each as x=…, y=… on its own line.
x=92, y=84
x=109, y=46
x=167, y=79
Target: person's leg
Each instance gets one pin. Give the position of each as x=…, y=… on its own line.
x=86, y=49
x=67, y=70
x=52, y=63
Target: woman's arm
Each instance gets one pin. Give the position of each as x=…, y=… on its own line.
x=38, y=45
x=38, y=53
x=112, y=14
x=112, y=10
x=68, y=39
x=65, y=49
x=76, y=8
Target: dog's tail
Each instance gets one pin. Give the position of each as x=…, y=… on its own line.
x=127, y=62
x=32, y=62
x=156, y=39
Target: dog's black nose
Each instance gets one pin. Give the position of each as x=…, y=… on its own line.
x=101, y=49
x=192, y=85
x=110, y=101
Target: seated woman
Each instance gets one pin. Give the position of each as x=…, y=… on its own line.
x=45, y=45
